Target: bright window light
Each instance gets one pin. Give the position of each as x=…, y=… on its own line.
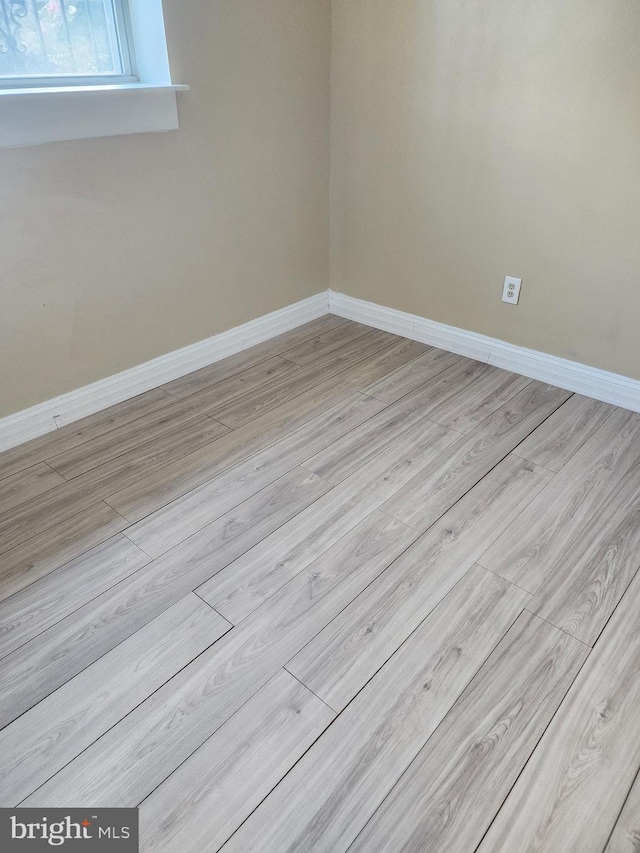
x=65, y=42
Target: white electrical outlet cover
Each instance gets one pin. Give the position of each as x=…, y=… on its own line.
x=511, y=290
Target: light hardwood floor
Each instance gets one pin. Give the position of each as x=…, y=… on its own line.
x=341, y=591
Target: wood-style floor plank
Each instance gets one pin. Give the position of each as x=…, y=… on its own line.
x=411, y=376
x=344, y=456
x=50, y=735
x=27, y=454
x=253, y=378
x=142, y=431
x=205, y=800
x=315, y=348
x=47, y=601
x=528, y=550
x=571, y=792
x=384, y=362
x=221, y=370
x=625, y=837
x=250, y=406
x=447, y=797
x=53, y=657
x=554, y=443
x=56, y=546
x=422, y=501
x=466, y=393
x=466, y=383
x=251, y=579
x=336, y=515
x=586, y=584
x=331, y=793
x=342, y=658
x=135, y=756
x=170, y=525
x=21, y=487
x=152, y=492
x=492, y=388
x=55, y=506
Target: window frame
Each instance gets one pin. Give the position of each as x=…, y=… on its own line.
x=55, y=113
x=124, y=39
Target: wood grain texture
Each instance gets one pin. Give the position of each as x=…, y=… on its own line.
x=172, y=524
x=221, y=370
x=118, y=442
x=315, y=348
x=260, y=572
x=528, y=550
x=19, y=488
x=53, y=657
x=423, y=500
x=331, y=793
x=384, y=362
x=205, y=800
x=250, y=406
x=154, y=739
x=459, y=468
x=571, y=792
x=45, y=602
x=625, y=837
x=50, y=735
x=344, y=456
x=254, y=378
x=149, y=493
x=342, y=658
x=462, y=381
x=56, y=546
x=447, y=797
x=220, y=377
x=167, y=447
x=143, y=431
x=311, y=599
x=586, y=584
x=554, y=443
x=340, y=525
x=491, y=389
x=465, y=389
x=47, y=511
x=411, y=376
x=71, y=435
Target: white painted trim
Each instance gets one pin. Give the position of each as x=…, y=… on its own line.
x=93, y=89
x=149, y=41
x=38, y=115
x=46, y=417
x=590, y=381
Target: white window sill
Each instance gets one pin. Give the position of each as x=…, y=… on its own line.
x=36, y=116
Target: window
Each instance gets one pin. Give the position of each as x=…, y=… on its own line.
x=64, y=42
x=77, y=69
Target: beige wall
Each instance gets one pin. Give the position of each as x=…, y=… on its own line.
x=114, y=251
x=473, y=139
x=469, y=140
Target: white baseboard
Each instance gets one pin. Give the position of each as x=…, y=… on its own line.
x=590, y=381
x=48, y=416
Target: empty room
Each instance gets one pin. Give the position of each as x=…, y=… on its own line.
x=320, y=426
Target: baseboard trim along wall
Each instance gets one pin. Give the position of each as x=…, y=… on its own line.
x=590, y=381
x=580, y=378
x=46, y=417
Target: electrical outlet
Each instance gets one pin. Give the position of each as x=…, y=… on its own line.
x=511, y=290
